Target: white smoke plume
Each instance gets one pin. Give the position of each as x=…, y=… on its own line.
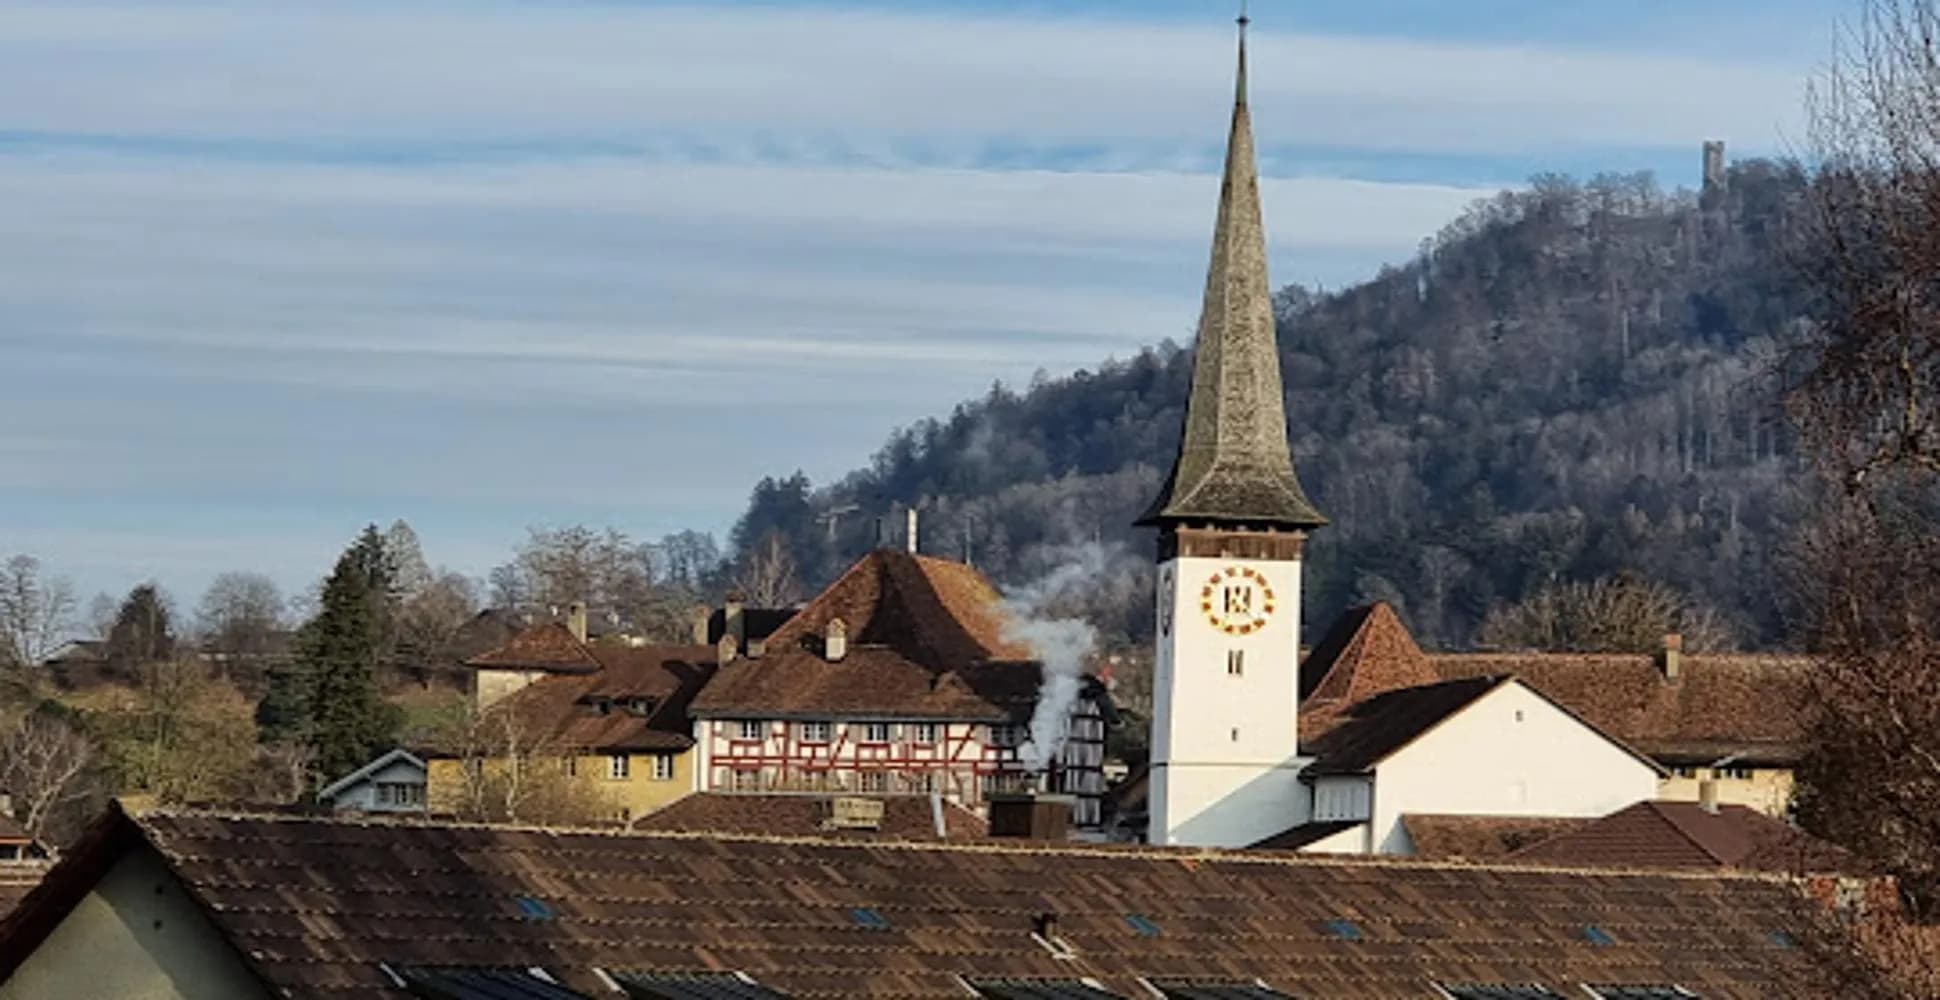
x=1042, y=616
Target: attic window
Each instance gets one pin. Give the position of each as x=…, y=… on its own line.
x=1144, y=927
x=1193, y=989
x=1498, y=991
x=1344, y=930
x=1598, y=936
x=534, y=908
x=869, y=919
x=681, y=985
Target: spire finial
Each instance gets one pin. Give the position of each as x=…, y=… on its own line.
x=1239, y=88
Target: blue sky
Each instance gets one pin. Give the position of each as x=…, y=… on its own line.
x=270, y=270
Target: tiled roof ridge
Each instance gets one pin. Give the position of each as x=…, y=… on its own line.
x=1144, y=852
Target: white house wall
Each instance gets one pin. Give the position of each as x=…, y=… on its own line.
x=1509, y=753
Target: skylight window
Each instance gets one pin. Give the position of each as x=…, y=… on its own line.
x=1499, y=991
x=869, y=919
x=1040, y=989
x=1659, y=992
x=1144, y=927
x=534, y=908
x=470, y=984
x=691, y=986
x=1598, y=936
x=1188, y=989
x=1345, y=930
x=1783, y=940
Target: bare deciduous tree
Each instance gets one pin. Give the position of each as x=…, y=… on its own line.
x=766, y=576
x=513, y=768
x=35, y=611
x=1620, y=615
x=47, y=763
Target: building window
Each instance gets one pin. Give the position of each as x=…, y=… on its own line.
x=876, y=732
x=923, y=734
x=1235, y=663
x=753, y=729
x=1684, y=771
x=399, y=793
x=618, y=766
x=1006, y=737
x=1735, y=773
x=872, y=781
x=572, y=767
x=663, y=767
x=746, y=779
x=924, y=782
x=816, y=732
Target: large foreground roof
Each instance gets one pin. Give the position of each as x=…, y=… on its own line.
x=328, y=907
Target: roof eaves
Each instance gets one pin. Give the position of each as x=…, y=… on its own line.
x=330, y=791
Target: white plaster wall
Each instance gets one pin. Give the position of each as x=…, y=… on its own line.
x=137, y=936
x=1510, y=753
x=1225, y=748
x=1352, y=840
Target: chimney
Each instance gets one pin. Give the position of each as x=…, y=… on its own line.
x=1045, y=925
x=725, y=651
x=701, y=616
x=1030, y=816
x=576, y=620
x=734, y=622
x=835, y=641
x=909, y=529
x=1708, y=795
x=1670, y=659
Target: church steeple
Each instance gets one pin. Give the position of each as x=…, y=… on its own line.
x=1234, y=467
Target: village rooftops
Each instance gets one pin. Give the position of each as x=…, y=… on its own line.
x=602, y=696
x=1688, y=835
x=901, y=817
x=323, y=907
x=1694, y=710
x=920, y=638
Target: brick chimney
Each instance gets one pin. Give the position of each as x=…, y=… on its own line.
x=835, y=640
x=576, y=620
x=1031, y=816
x=1670, y=658
x=734, y=621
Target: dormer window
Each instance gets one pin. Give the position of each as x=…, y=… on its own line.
x=641, y=707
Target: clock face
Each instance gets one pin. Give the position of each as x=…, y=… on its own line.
x=1237, y=600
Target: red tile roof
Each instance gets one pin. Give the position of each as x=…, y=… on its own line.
x=1480, y=838
x=925, y=639
x=1685, y=835
x=569, y=704
x=1368, y=651
x=1354, y=738
x=1754, y=706
x=314, y=906
x=551, y=647
x=905, y=817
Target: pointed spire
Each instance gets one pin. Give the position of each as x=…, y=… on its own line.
x=1234, y=465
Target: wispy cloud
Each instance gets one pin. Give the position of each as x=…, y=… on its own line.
x=278, y=268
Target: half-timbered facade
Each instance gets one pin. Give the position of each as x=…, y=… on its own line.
x=896, y=680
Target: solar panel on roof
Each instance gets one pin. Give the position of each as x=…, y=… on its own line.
x=691, y=986
x=481, y=984
x=1040, y=989
x=1499, y=991
x=1179, y=989
x=1660, y=992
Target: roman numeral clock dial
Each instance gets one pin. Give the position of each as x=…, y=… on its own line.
x=1237, y=600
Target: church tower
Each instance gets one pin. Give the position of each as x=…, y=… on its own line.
x=1231, y=523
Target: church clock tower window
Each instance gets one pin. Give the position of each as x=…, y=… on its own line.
x=1232, y=521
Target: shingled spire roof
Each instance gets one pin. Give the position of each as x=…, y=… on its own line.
x=1234, y=465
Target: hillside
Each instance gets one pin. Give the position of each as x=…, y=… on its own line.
x=1567, y=382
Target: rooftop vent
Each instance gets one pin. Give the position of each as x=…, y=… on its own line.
x=835, y=640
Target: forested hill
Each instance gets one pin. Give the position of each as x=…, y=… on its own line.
x=1568, y=382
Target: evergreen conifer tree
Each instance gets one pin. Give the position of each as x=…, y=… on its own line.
x=328, y=696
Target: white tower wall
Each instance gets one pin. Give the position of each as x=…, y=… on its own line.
x=1225, y=744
